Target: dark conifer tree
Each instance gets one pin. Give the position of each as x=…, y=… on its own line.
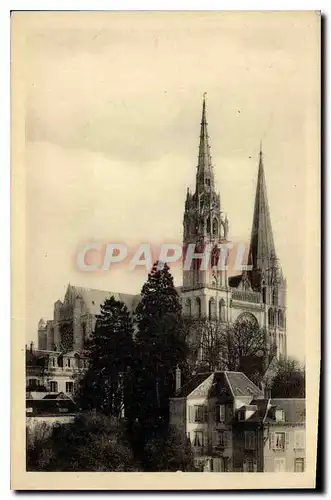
x=110, y=353
x=160, y=347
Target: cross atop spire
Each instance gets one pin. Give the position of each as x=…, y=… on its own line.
x=262, y=247
x=205, y=175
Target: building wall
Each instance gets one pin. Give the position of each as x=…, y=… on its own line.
x=293, y=449
x=58, y=371
x=210, y=452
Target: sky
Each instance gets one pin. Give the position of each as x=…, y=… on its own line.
x=113, y=108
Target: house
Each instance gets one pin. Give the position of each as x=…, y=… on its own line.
x=232, y=427
x=205, y=409
x=53, y=371
x=49, y=408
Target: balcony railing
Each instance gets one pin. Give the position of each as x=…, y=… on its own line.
x=246, y=296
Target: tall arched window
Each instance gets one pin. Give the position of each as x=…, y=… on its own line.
x=215, y=257
x=215, y=227
x=275, y=297
x=280, y=318
x=271, y=318
x=222, y=310
x=211, y=307
x=198, y=302
x=208, y=225
x=188, y=307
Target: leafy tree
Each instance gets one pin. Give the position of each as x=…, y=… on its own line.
x=169, y=451
x=160, y=347
x=110, y=353
x=206, y=344
x=289, y=380
x=38, y=452
x=240, y=346
x=247, y=349
x=91, y=443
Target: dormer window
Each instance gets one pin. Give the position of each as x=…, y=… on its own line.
x=280, y=415
x=241, y=415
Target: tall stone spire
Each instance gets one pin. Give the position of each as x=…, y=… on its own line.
x=262, y=247
x=205, y=174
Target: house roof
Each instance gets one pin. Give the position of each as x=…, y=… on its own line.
x=94, y=298
x=242, y=386
x=213, y=384
x=294, y=409
x=192, y=384
x=50, y=407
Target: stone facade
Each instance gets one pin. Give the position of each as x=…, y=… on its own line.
x=232, y=427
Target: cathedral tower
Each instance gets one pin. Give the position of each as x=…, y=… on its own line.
x=204, y=289
x=266, y=274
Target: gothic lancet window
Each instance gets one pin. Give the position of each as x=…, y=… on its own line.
x=215, y=227
x=208, y=225
x=198, y=303
x=222, y=310
x=188, y=308
x=271, y=318
x=211, y=308
x=280, y=318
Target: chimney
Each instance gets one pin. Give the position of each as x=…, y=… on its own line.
x=178, y=378
x=31, y=346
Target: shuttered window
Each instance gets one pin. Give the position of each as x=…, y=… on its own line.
x=299, y=440
x=198, y=439
x=221, y=439
x=220, y=413
x=250, y=465
x=299, y=465
x=250, y=440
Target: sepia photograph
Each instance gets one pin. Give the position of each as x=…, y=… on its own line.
x=165, y=246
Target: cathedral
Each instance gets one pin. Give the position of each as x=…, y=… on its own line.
x=258, y=294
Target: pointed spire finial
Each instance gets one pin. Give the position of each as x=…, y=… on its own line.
x=262, y=242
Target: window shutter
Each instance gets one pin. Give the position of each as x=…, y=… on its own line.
x=225, y=439
x=287, y=440
x=255, y=465
x=190, y=413
x=272, y=441
x=246, y=439
x=254, y=440
x=299, y=438
x=205, y=413
x=245, y=466
x=222, y=413
x=204, y=439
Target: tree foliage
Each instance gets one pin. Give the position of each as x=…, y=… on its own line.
x=169, y=451
x=91, y=443
x=289, y=380
x=159, y=347
x=241, y=346
x=110, y=353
